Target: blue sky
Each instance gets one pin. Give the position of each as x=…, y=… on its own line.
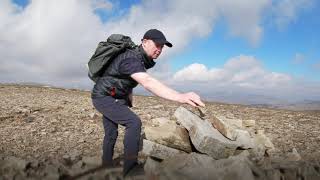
x=22, y=3
x=253, y=47
x=277, y=48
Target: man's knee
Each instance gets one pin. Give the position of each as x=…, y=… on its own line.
x=111, y=135
x=137, y=123
x=134, y=125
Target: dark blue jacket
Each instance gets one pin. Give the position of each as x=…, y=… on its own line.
x=113, y=83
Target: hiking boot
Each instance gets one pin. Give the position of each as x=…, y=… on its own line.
x=117, y=162
x=136, y=170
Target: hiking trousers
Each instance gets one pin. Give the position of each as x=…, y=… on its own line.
x=115, y=112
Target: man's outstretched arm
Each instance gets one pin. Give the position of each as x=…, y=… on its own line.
x=161, y=90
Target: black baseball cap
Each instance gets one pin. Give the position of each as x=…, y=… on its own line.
x=157, y=36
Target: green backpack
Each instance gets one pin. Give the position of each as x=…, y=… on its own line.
x=106, y=52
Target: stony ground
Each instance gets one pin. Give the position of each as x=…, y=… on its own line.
x=46, y=124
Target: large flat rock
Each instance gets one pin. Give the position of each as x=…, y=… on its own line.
x=151, y=167
x=244, y=139
x=159, y=151
x=201, y=166
x=226, y=126
x=169, y=134
x=204, y=137
x=261, y=138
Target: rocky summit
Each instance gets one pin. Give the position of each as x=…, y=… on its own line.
x=55, y=133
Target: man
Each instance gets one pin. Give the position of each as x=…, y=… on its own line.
x=112, y=94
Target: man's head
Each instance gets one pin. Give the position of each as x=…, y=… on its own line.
x=153, y=42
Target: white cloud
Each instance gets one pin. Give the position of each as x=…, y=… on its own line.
x=102, y=5
x=244, y=18
x=243, y=79
x=51, y=41
x=238, y=71
x=197, y=73
x=48, y=40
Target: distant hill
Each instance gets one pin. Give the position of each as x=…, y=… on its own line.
x=251, y=99
x=301, y=105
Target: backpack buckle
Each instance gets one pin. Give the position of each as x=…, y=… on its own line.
x=113, y=91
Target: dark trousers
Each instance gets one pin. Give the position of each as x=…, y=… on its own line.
x=116, y=111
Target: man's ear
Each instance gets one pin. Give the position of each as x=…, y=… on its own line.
x=144, y=41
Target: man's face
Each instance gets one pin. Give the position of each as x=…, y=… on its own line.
x=152, y=49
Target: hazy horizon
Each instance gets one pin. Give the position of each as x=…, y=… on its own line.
x=243, y=51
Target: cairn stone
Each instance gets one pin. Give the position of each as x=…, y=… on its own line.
x=15, y=163
x=151, y=167
x=160, y=121
x=159, y=151
x=194, y=165
x=244, y=139
x=170, y=135
x=226, y=126
x=261, y=138
x=248, y=123
x=294, y=155
x=204, y=137
x=92, y=161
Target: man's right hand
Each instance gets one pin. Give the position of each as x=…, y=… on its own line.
x=161, y=90
x=192, y=99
